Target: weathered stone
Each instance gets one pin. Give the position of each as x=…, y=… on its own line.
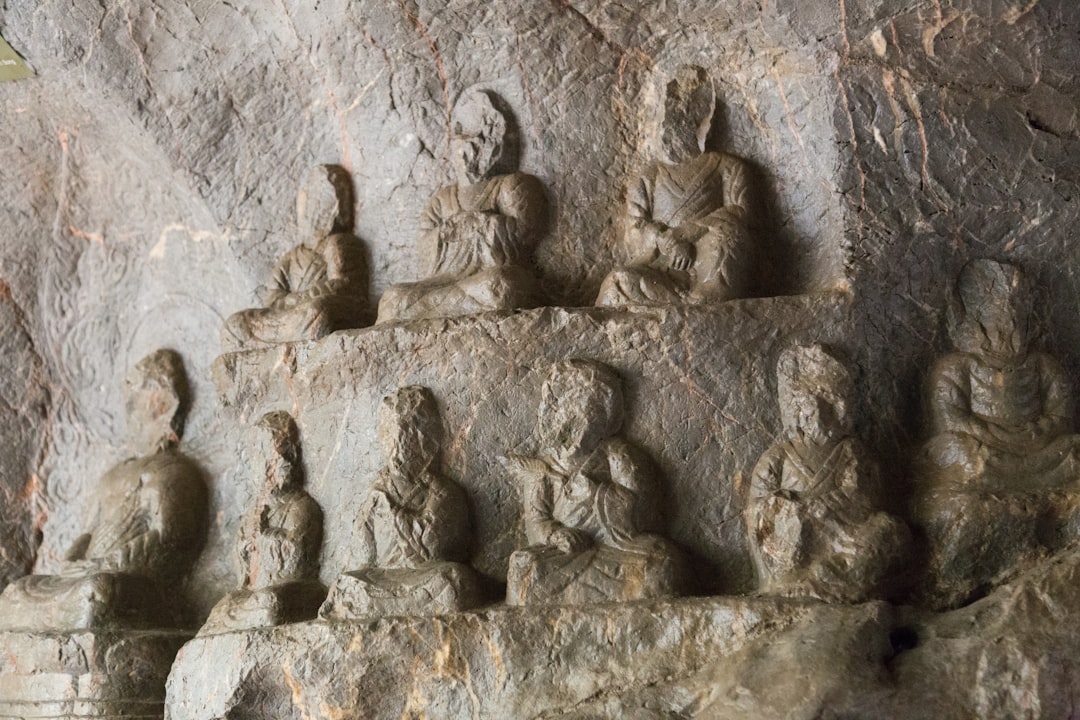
x=90, y=673
x=279, y=541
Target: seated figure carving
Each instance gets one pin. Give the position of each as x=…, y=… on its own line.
x=146, y=532
x=320, y=285
x=590, y=501
x=1002, y=452
x=414, y=530
x=280, y=539
x=813, y=517
x=479, y=232
x=687, y=225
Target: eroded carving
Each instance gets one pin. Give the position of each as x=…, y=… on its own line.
x=813, y=516
x=414, y=530
x=590, y=501
x=320, y=285
x=147, y=529
x=480, y=231
x=687, y=214
x=991, y=477
x=280, y=539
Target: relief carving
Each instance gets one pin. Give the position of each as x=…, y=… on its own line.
x=147, y=529
x=687, y=214
x=414, y=530
x=481, y=231
x=320, y=285
x=279, y=541
x=992, y=477
x=590, y=501
x=813, y=515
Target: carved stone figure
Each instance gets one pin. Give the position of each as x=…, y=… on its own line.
x=320, y=285
x=813, y=516
x=481, y=231
x=414, y=529
x=687, y=215
x=146, y=532
x=280, y=539
x=1002, y=447
x=589, y=501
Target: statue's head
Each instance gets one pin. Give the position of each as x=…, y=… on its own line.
x=276, y=450
x=479, y=134
x=410, y=430
x=814, y=390
x=156, y=399
x=689, y=104
x=324, y=205
x=581, y=404
x=990, y=312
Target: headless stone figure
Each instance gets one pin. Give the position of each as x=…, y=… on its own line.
x=481, y=231
x=280, y=539
x=813, y=517
x=1000, y=470
x=414, y=531
x=687, y=216
x=320, y=285
x=589, y=501
x=145, y=533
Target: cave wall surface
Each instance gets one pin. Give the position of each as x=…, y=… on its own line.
x=150, y=170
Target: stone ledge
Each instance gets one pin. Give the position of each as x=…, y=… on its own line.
x=699, y=385
x=86, y=672
x=496, y=663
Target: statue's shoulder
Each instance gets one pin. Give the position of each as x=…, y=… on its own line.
x=519, y=185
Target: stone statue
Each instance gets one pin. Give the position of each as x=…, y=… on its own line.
x=687, y=224
x=320, y=285
x=589, y=501
x=481, y=231
x=414, y=530
x=280, y=539
x=1002, y=448
x=147, y=530
x=813, y=516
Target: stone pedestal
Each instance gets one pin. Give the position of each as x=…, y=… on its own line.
x=741, y=658
x=547, y=576
x=265, y=607
x=437, y=588
x=86, y=673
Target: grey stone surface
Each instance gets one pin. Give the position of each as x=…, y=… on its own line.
x=145, y=532
x=149, y=170
x=280, y=537
x=89, y=673
x=1006, y=656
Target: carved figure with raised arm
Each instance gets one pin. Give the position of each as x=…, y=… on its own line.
x=814, y=514
x=590, y=501
x=1002, y=460
x=320, y=285
x=414, y=533
x=479, y=233
x=145, y=533
x=688, y=214
x=280, y=538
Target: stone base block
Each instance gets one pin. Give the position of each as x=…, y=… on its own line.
x=1009, y=655
x=50, y=603
x=266, y=607
x=434, y=589
x=602, y=574
x=81, y=674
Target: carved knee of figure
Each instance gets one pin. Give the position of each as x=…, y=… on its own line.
x=637, y=285
x=722, y=266
x=236, y=332
x=499, y=288
x=954, y=460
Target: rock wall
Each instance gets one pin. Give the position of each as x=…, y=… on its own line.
x=150, y=171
